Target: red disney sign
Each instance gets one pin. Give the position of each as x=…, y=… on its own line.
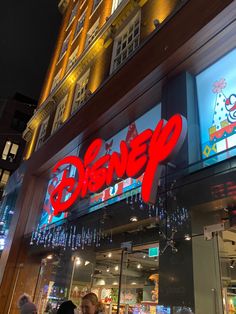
x=144, y=155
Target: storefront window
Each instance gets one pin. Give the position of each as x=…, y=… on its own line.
x=217, y=108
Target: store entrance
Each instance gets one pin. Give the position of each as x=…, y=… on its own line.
x=227, y=253
x=140, y=280
x=128, y=280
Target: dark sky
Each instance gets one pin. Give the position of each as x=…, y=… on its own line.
x=28, y=32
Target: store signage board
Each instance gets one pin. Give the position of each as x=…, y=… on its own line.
x=143, y=155
x=112, y=194
x=153, y=251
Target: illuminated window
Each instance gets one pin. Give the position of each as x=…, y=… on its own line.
x=56, y=80
x=64, y=46
x=81, y=92
x=126, y=42
x=58, y=120
x=10, y=151
x=217, y=109
x=5, y=177
x=115, y=4
x=73, y=14
x=42, y=133
x=80, y=25
x=92, y=33
x=72, y=58
x=96, y=3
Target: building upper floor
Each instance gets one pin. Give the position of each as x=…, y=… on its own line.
x=96, y=39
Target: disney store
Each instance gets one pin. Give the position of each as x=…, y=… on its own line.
x=141, y=209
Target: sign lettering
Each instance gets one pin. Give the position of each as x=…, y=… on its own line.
x=145, y=153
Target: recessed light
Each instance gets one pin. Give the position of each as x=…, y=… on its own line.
x=50, y=256
x=116, y=267
x=109, y=255
x=133, y=219
x=187, y=237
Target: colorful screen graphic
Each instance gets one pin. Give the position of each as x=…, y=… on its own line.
x=111, y=194
x=216, y=90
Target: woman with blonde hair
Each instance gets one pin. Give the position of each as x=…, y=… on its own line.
x=91, y=305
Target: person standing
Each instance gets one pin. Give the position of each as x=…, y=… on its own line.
x=26, y=306
x=67, y=307
x=91, y=305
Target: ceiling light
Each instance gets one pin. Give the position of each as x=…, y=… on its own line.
x=139, y=266
x=133, y=219
x=86, y=263
x=108, y=269
x=78, y=261
x=133, y=283
x=50, y=256
x=109, y=255
x=101, y=282
x=115, y=283
x=144, y=256
x=116, y=267
x=187, y=237
x=232, y=264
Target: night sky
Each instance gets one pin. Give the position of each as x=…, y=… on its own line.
x=28, y=32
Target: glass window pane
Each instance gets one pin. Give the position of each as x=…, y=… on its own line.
x=6, y=150
x=14, y=149
x=5, y=177
x=216, y=104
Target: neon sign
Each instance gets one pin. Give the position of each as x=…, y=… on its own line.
x=144, y=154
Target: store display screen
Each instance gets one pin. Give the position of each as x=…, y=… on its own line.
x=163, y=309
x=216, y=91
x=153, y=251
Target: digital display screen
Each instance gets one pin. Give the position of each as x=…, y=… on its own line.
x=163, y=309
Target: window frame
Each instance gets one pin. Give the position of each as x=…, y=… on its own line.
x=59, y=114
x=72, y=59
x=65, y=43
x=73, y=15
x=42, y=133
x=122, y=33
x=56, y=80
x=9, y=149
x=96, y=5
x=84, y=77
x=92, y=33
x=80, y=19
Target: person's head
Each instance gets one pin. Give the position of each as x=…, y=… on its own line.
x=90, y=304
x=66, y=307
x=24, y=298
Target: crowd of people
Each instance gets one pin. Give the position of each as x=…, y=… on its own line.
x=89, y=305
